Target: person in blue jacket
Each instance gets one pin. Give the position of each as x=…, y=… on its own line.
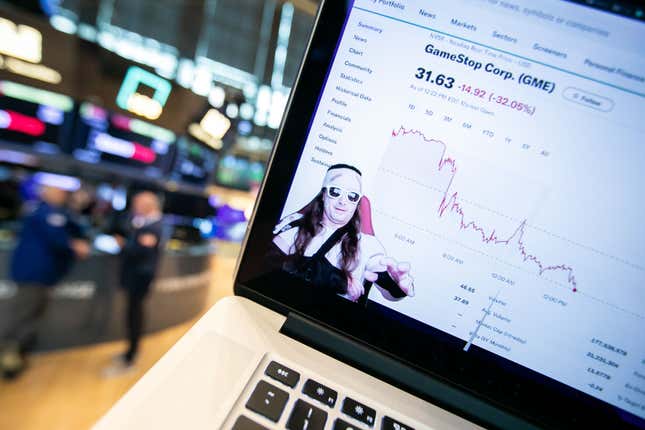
x=47, y=246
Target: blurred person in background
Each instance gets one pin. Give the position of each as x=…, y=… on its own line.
x=48, y=244
x=81, y=204
x=140, y=241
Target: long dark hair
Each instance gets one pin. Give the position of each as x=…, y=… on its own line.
x=311, y=226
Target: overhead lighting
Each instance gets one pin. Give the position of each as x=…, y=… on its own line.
x=20, y=41
x=185, y=73
x=226, y=74
x=232, y=110
x=245, y=127
x=202, y=82
x=246, y=111
x=33, y=71
x=278, y=105
x=167, y=65
x=263, y=102
x=260, y=118
x=107, y=40
x=63, y=24
x=250, y=90
x=144, y=106
x=87, y=32
x=200, y=134
x=215, y=124
x=280, y=55
x=217, y=97
x=129, y=99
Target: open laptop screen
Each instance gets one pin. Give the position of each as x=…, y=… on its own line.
x=482, y=162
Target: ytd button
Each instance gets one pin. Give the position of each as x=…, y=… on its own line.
x=588, y=99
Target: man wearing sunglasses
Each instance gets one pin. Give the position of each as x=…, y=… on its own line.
x=327, y=245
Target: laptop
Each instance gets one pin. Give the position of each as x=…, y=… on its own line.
x=449, y=234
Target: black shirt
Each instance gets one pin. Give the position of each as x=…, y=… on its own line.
x=139, y=262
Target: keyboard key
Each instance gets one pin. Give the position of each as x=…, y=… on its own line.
x=344, y=425
x=268, y=401
x=359, y=411
x=391, y=424
x=318, y=391
x=244, y=423
x=282, y=374
x=306, y=417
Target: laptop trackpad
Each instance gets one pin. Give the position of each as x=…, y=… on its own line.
x=201, y=389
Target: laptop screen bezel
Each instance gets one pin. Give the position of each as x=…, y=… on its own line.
x=527, y=393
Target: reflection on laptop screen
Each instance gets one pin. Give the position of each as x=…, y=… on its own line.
x=479, y=169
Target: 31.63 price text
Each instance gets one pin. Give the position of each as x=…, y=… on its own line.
x=439, y=79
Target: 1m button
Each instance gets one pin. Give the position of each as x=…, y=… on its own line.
x=588, y=99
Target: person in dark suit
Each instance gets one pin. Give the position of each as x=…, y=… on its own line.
x=140, y=240
x=48, y=244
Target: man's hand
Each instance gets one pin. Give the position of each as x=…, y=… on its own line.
x=120, y=240
x=400, y=272
x=148, y=240
x=80, y=247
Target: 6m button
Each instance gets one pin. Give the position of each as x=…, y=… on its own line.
x=282, y=374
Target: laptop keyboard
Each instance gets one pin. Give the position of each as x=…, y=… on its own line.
x=313, y=405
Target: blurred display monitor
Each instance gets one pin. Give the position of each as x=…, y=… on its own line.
x=38, y=120
x=187, y=205
x=136, y=147
x=194, y=163
x=186, y=233
x=239, y=172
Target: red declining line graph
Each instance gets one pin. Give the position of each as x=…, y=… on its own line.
x=450, y=204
